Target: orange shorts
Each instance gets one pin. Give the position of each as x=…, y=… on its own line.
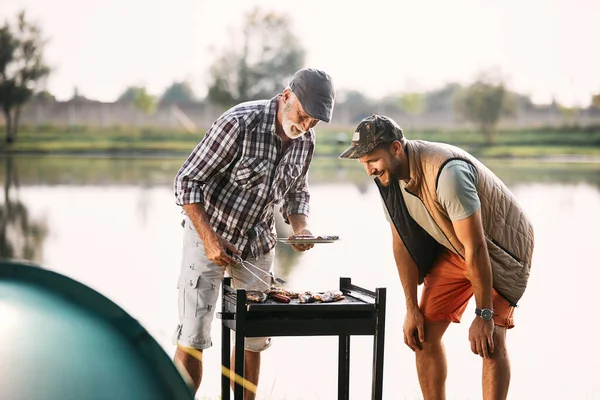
x=446, y=293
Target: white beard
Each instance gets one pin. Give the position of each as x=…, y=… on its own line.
x=291, y=129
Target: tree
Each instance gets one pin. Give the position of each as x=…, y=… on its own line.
x=178, y=92
x=596, y=101
x=484, y=102
x=44, y=96
x=144, y=101
x=569, y=114
x=22, y=67
x=140, y=97
x=523, y=101
x=128, y=95
x=358, y=105
x=441, y=100
x=412, y=104
x=354, y=98
x=269, y=54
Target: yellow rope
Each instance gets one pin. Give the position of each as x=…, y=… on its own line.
x=246, y=384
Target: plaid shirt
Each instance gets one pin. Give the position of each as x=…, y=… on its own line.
x=239, y=174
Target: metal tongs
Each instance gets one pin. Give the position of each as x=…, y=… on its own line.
x=245, y=264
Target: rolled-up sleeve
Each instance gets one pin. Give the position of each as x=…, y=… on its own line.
x=211, y=157
x=297, y=199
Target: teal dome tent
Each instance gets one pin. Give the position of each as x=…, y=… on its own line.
x=59, y=339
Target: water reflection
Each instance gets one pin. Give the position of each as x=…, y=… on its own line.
x=114, y=226
x=21, y=235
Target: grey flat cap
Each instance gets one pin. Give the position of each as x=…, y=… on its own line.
x=314, y=88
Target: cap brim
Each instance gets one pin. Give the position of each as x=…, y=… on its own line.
x=318, y=115
x=323, y=118
x=353, y=152
x=318, y=108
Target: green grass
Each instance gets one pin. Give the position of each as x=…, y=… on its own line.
x=535, y=151
x=330, y=141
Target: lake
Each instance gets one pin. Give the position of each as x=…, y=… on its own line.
x=112, y=224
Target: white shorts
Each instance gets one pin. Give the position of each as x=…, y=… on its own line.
x=199, y=285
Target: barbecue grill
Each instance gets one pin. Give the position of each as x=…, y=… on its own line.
x=361, y=312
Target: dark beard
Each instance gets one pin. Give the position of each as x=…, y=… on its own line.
x=393, y=174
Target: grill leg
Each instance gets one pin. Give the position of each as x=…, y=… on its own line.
x=240, y=330
x=344, y=368
x=239, y=365
x=378, y=341
x=225, y=349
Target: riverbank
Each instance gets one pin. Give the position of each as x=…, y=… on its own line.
x=568, y=143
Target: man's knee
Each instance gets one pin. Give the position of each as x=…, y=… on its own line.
x=499, y=337
x=434, y=332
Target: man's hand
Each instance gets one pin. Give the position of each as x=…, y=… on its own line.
x=218, y=250
x=414, y=331
x=302, y=247
x=481, y=336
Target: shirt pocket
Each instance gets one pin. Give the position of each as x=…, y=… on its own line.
x=251, y=173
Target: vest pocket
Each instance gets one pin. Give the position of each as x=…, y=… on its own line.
x=504, y=250
x=509, y=274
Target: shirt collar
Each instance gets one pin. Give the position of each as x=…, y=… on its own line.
x=269, y=123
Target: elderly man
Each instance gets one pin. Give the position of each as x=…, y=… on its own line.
x=255, y=156
x=459, y=230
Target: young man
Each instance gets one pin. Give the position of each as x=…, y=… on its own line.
x=255, y=156
x=459, y=230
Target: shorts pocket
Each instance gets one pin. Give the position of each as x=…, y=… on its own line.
x=188, y=285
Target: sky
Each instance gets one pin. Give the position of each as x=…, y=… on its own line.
x=543, y=48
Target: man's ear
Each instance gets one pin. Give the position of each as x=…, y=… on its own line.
x=286, y=95
x=396, y=147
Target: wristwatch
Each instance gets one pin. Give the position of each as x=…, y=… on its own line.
x=485, y=313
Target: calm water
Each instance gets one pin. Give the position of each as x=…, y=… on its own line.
x=113, y=225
